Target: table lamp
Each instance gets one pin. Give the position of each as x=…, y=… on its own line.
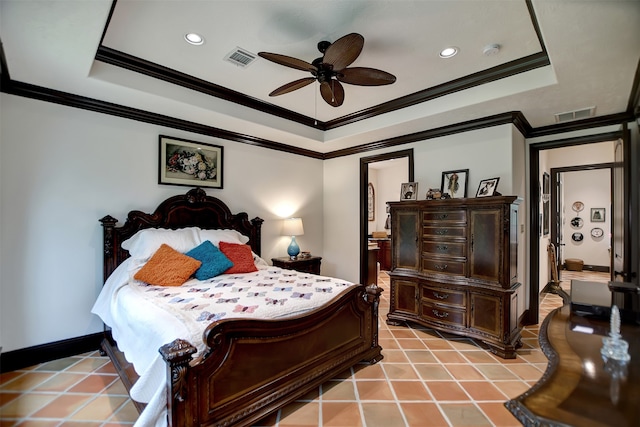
x=293, y=227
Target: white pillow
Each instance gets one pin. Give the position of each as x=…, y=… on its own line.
x=145, y=243
x=226, y=235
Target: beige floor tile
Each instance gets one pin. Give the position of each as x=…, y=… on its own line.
x=423, y=414
x=421, y=356
x=482, y=390
x=447, y=391
x=374, y=390
x=511, y=389
x=341, y=414
x=464, y=415
x=63, y=406
x=432, y=372
x=382, y=414
x=26, y=381
x=300, y=414
x=449, y=356
x=60, y=382
x=411, y=391
x=498, y=414
x=101, y=408
x=338, y=390
x=397, y=371
x=394, y=356
x=26, y=404
x=464, y=372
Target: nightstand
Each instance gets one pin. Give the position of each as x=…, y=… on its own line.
x=304, y=265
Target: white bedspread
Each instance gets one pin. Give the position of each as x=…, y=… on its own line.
x=142, y=318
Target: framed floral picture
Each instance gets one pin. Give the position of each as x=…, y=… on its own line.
x=189, y=163
x=454, y=183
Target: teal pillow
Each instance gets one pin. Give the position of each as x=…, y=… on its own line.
x=213, y=261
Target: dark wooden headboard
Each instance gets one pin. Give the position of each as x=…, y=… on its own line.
x=194, y=209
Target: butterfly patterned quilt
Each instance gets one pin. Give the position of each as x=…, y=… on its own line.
x=143, y=317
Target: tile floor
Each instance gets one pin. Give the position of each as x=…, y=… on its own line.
x=426, y=379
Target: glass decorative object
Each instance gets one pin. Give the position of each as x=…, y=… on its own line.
x=613, y=346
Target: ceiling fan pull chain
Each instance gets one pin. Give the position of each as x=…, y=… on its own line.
x=315, y=106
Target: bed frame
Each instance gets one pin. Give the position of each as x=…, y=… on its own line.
x=250, y=368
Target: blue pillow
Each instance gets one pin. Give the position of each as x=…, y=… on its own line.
x=213, y=261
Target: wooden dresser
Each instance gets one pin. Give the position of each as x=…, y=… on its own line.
x=454, y=268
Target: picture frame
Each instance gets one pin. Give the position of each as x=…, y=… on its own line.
x=597, y=214
x=487, y=187
x=189, y=163
x=546, y=186
x=371, y=203
x=409, y=191
x=454, y=184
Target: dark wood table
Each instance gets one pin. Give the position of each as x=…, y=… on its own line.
x=577, y=388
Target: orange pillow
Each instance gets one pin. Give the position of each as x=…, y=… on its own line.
x=167, y=267
x=241, y=257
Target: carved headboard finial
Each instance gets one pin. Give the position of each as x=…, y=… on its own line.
x=196, y=195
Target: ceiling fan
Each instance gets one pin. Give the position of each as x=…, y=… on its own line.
x=331, y=69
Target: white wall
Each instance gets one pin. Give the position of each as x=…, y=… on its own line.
x=61, y=169
x=387, y=181
x=487, y=153
x=593, y=188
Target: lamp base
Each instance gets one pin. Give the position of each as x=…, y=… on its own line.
x=293, y=250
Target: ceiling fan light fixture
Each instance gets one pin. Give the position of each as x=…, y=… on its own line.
x=448, y=52
x=194, y=39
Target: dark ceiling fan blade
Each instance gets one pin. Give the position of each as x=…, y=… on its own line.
x=332, y=92
x=344, y=51
x=288, y=61
x=363, y=76
x=290, y=87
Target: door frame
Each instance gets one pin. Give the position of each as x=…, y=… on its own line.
x=553, y=237
x=364, y=182
x=532, y=315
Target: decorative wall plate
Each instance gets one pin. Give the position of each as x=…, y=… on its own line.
x=577, y=237
x=577, y=222
x=577, y=206
x=597, y=232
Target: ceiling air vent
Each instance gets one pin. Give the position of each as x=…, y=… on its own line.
x=575, y=115
x=240, y=57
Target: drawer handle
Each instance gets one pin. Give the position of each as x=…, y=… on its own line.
x=442, y=231
x=443, y=248
x=441, y=267
x=440, y=315
x=440, y=296
x=443, y=216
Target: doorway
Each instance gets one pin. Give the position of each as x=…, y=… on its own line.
x=365, y=163
x=539, y=268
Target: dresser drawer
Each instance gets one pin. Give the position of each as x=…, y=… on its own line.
x=455, y=216
x=455, y=249
x=450, y=316
x=444, y=296
x=444, y=266
x=435, y=231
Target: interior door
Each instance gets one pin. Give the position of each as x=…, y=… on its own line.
x=620, y=263
x=561, y=221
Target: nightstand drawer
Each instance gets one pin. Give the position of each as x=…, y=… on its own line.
x=309, y=265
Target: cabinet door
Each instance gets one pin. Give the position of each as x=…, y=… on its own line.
x=405, y=296
x=485, y=314
x=486, y=252
x=405, y=239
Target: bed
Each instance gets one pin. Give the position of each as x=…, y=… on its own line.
x=242, y=369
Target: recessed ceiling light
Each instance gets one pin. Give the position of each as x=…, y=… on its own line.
x=193, y=38
x=448, y=52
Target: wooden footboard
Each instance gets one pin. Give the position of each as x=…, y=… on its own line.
x=255, y=367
